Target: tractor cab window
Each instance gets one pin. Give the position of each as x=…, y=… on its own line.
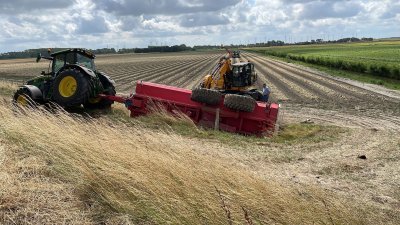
x=85, y=61
x=70, y=58
x=58, y=63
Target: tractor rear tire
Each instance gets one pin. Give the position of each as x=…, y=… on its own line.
x=207, y=96
x=101, y=103
x=71, y=88
x=239, y=102
x=23, y=97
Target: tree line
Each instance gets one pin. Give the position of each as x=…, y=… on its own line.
x=32, y=53
x=149, y=49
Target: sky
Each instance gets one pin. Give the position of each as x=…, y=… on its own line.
x=26, y=24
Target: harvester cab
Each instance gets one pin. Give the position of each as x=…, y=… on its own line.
x=72, y=81
x=241, y=76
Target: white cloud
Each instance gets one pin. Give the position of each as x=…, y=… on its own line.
x=136, y=23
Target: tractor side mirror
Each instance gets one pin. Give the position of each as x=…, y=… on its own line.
x=39, y=57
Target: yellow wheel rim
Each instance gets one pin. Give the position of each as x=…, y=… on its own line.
x=22, y=100
x=67, y=86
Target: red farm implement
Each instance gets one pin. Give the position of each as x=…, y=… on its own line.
x=178, y=100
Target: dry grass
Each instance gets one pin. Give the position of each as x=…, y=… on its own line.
x=62, y=168
x=7, y=89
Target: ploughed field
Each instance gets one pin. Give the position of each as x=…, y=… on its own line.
x=303, y=93
x=182, y=70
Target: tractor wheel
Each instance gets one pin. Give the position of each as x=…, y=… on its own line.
x=98, y=103
x=208, y=96
x=23, y=97
x=71, y=88
x=239, y=102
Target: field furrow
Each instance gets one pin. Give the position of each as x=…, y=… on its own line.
x=292, y=91
x=341, y=95
x=315, y=93
x=196, y=73
x=179, y=72
x=199, y=74
x=331, y=83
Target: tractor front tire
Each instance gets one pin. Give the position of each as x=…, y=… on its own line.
x=71, y=88
x=239, y=102
x=207, y=96
x=23, y=97
x=98, y=103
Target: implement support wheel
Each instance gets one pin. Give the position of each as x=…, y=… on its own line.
x=239, y=102
x=208, y=96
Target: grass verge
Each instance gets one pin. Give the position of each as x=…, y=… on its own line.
x=131, y=173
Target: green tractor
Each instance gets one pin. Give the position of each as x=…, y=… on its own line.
x=72, y=81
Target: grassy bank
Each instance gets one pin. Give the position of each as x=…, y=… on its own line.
x=105, y=172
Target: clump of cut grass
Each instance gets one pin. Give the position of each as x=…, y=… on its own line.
x=133, y=174
x=288, y=133
x=293, y=133
x=178, y=123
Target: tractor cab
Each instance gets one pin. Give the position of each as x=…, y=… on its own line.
x=78, y=57
x=241, y=75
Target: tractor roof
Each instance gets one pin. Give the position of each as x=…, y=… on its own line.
x=75, y=50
